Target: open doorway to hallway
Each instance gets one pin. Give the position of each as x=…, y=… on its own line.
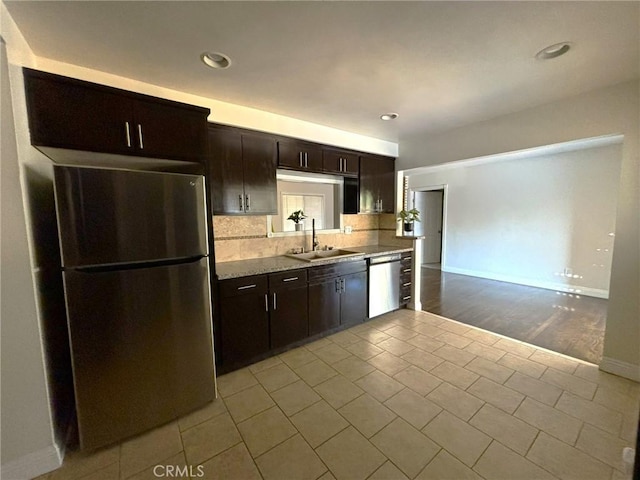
x=430, y=203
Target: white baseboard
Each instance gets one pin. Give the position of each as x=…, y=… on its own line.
x=560, y=287
x=620, y=368
x=32, y=464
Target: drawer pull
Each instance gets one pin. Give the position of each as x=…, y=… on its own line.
x=406, y=270
x=406, y=284
x=290, y=279
x=407, y=297
x=244, y=287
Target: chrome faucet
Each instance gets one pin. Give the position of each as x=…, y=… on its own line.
x=314, y=240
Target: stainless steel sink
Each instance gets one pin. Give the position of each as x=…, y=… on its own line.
x=319, y=255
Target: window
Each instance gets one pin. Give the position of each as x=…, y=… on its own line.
x=311, y=205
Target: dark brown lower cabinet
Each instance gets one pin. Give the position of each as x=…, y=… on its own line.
x=406, y=266
x=337, y=295
x=244, y=318
x=288, y=307
x=353, y=301
x=261, y=313
x=324, y=306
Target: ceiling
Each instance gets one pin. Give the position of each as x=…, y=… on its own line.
x=342, y=64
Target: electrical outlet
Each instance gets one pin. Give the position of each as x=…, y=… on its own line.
x=348, y=229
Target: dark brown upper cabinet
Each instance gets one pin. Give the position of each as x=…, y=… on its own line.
x=297, y=155
x=377, y=184
x=242, y=172
x=74, y=114
x=341, y=162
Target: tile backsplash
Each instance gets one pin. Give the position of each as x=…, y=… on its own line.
x=243, y=237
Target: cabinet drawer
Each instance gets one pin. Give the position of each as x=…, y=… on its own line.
x=405, y=297
x=319, y=274
x=406, y=259
x=243, y=285
x=287, y=280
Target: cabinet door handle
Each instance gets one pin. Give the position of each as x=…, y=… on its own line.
x=338, y=285
x=245, y=287
x=240, y=198
x=140, y=137
x=266, y=302
x=274, y=301
x=290, y=279
x=300, y=158
x=127, y=131
x=343, y=287
x=306, y=160
x=344, y=168
x=247, y=205
x=340, y=164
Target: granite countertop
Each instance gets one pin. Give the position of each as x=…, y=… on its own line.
x=258, y=266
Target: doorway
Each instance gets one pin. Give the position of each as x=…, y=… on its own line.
x=431, y=204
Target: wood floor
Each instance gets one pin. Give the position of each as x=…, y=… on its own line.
x=569, y=324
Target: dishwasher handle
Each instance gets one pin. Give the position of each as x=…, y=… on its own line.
x=394, y=257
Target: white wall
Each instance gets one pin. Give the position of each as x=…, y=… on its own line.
x=525, y=220
x=612, y=110
x=27, y=432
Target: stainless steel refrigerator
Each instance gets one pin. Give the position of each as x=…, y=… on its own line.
x=137, y=291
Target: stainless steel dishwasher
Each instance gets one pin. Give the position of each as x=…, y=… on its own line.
x=384, y=284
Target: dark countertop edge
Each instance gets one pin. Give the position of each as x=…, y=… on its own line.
x=249, y=268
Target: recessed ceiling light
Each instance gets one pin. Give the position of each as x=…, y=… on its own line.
x=215, y=60
x=553, y=51
x=389, y=116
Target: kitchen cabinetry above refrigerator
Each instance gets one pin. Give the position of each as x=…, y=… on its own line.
x=78, y=115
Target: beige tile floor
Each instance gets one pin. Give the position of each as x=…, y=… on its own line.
x=406, y=395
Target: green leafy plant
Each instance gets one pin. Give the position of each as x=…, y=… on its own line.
x=409, y=216
x=297, y=216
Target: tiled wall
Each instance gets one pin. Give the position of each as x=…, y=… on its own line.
x=242, y=237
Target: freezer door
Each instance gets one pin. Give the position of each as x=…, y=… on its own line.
x=142, y=350
x=111, y=217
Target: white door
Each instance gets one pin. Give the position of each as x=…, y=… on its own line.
x=430, y=206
